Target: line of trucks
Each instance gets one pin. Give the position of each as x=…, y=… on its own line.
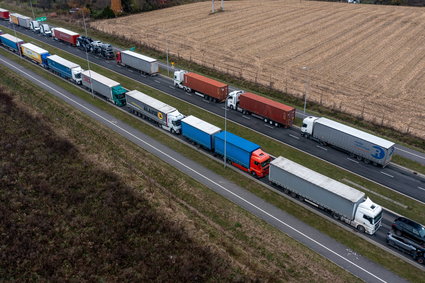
x=243, y=154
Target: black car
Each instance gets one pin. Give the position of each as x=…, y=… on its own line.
x=407, y=246
x=409, y=229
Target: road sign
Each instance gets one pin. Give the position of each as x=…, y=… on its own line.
x=132, y=48
x=41, y=19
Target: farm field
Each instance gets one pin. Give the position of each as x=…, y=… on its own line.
x=365, y=60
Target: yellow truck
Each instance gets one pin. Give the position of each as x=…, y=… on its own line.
x=35, y=53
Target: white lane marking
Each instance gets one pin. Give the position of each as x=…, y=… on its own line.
x=295, y=137
x=387, y=174
x=268, y=126
x=420, y=188
x=157, y=81
x=171, y=87
x=411, y=153
x=201, y=175
x=246, y=117
x=352, y=160
x=321, y=147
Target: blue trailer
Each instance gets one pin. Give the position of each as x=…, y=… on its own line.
x=199, y=131
x=65, y=68
x=11, y=42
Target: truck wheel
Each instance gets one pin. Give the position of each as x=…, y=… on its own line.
x=265, y=120
x=253, y=174
x=420, y=260
x=231, y=107
x=172, y=131
x=398, y=232
x=294, y=195
x=367, y=161
x=361, y=229
x=359, y=158
x=286, y=191
x=335, y=216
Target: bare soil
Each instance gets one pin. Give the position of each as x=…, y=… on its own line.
x=365, y=60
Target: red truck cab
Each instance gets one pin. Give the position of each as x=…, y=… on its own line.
x=259, y=163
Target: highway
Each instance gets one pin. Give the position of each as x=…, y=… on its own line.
x=315, y=240
x=393, y=177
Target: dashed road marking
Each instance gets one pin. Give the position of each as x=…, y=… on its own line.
x=420, y=188
x=248, y=118
x=352, y=160
x=157, y=81
x=321, y=147
x=295, y=137
x=387, y=174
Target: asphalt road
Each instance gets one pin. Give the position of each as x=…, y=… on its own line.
x=315, y=240
x=393, y=177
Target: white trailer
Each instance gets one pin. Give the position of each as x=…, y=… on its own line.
x=109, y=89
x=342, y=201
x=166, y=116
x=138, y=61
x=357, y=143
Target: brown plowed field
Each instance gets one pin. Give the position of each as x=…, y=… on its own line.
x=366, y=60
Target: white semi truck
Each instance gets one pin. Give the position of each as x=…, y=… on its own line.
x=341, y=201
x=166, y=116
x=357, y=143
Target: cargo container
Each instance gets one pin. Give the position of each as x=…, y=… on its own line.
x=11, y=42
x=65, y=68
x=65, y=35
x=199, y=132
x=4, y=14
x=35, y=53
x=272, y=112
x=208, y=88
x=110, y=90
x=341, y=201
x=13, y=18
x=164, y=115
x=357, y=143
x=20, y=20
x=139, y=62
x=242, y=153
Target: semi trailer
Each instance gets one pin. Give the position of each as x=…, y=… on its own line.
x=110, y=90
x=65, y=35
x=35, y=53
x=11, y=42
x=20, y=20
x=208, y=88
x=4, y=14
x=238, y=151
x=65, y=68
x=357, y=143
x=270, y=111
x=341, y=201
x=164, y=115
x=139, y=62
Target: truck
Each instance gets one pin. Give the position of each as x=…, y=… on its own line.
x=110, y=90
x=104, y=50
x=139, y=62
x=35, y=53
x=65, y=35
x=20, y=20
x=199, y=132
x=11, y=42
x=45, y=30
x=4, y=14
x=35, y=26
x=241, y=153
x=65, y=68
x=358, y=144
x=164, y=115
x=270, y=111
x=208, y=88
x=343, y=202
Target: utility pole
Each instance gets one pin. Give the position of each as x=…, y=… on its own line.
x=87, y=55
x=212, y=10
x=222, y=5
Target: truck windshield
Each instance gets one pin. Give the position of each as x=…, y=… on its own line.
x=377, y=218
x=177, y=123
x=120, y=96
x=265, y=163
x=78, y=76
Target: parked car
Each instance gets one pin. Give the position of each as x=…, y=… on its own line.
x=407, y=246
x=409, y=229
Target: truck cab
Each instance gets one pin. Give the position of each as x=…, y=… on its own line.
x=76, y=75
x=35, y=26
x=118, y=95
x=174, y=124
x=368, y=217
x=179, y=79
x=259, y=163
x=307, y=127
x=233, y=99
x=45, y=30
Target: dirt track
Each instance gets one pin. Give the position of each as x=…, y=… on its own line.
x=366, y=60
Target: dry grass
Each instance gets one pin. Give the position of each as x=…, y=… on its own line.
x=364, y=60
